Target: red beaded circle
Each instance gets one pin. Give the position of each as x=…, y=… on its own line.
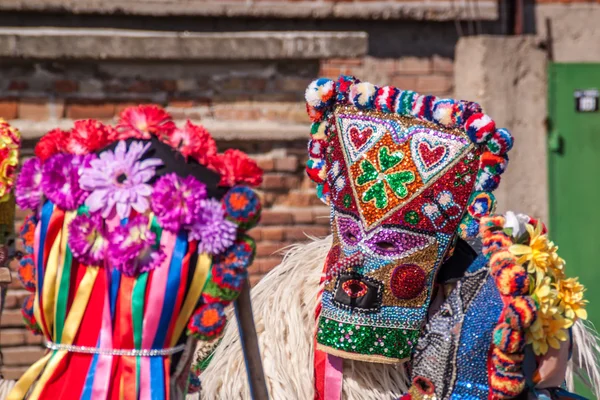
x=408, y=281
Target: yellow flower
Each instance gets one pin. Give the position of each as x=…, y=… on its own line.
x=548, y=330
x=539, y=255
x=546, y=296
x=570, y=295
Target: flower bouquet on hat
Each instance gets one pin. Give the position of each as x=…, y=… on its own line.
x=139, y=242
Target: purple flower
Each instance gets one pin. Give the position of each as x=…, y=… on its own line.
x=176, y=201
x=119, y=179
x=60, y=181
x=212, y=230
x=28, y=192
x=131, y=247
x=87, y=239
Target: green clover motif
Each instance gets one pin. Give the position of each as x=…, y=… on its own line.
x=396, y=180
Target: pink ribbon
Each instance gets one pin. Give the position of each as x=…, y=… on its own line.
x=156, y=298
x=334, y=376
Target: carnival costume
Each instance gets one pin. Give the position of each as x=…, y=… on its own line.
x=136, y=244
x=397, y=304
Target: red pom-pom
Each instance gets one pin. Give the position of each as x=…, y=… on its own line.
x=194, y=141
x=314, y=114
x=235, y=167
x=143, y=121
x=51, y=143
x=87, y=136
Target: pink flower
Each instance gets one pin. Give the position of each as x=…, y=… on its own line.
x=176, y=201
x=144, y=121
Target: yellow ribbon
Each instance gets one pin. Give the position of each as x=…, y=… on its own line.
x=196, y=288
x=69, y=216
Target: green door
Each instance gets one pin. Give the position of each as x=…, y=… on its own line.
x=574, y=174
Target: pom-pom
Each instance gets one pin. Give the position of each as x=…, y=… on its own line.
x=316, y=169
x=468, y=227
x=194, y=384
x=493, y=164
x=486, y=182
x=507, y=385
x=242, y=206
x=314, y=114
x=491, y=224
x=208, y=321
x=385, y=98
x=508, y=340
x=480, y=127
x=317, y=148
x=500, y=142
x=507, y=362
x=448, y=113
x=521, y=312
x=319, y=130
x=494, y=242
x=27, y=233
x=423, y=107
x=362, y=95
x=320, y=93
x=404, y=102
x=26, y=272
x=342, y=87
x=481, y=204
x=512, y=280
x=501, y=260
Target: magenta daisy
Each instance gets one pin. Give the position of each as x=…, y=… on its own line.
x=119, y=180
x=87, y=239
x=131, y=247
x=28, y=192
x=212, y=230
x=176, y=201
x=60, y=181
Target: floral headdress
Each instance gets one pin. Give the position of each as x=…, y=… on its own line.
x=139, y=197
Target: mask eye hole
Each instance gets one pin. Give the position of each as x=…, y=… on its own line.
x=385, y=245
x=350, y=236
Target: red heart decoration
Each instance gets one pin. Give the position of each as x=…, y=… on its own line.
x=431, y=156
x=359, y=138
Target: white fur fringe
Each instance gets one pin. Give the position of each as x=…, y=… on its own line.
x=284, y=303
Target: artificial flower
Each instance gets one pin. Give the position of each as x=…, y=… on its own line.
x=212, y=230
x=144, y=121
x=60, y=182
x=88, y=136
x=28, y=192
x=51, y=143
x=235, y=167
x=176, y=201
x=119, y=179
x=194, y=141
x=10, y=140
x=570, y=294
x=516, y=223
x=546, y=296
x=548, y=330
x=87, y=239
x=536, y=254
x=131, y=247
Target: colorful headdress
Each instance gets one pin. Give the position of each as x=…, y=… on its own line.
x=139, y=234
x=10, y=142
x=405, y=175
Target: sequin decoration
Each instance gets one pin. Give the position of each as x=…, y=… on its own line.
x=407, y=281
x=370, y=341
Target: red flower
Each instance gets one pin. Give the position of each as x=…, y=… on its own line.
x=194, y=141
x=236, y=167
x=88, y=136
x=143, y=121
x=51, y=143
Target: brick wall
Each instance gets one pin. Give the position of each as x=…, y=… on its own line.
x=242, y=95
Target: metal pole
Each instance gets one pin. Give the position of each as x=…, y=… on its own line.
x=249, y=340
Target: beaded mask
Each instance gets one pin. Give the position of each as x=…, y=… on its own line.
x=404, y=175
